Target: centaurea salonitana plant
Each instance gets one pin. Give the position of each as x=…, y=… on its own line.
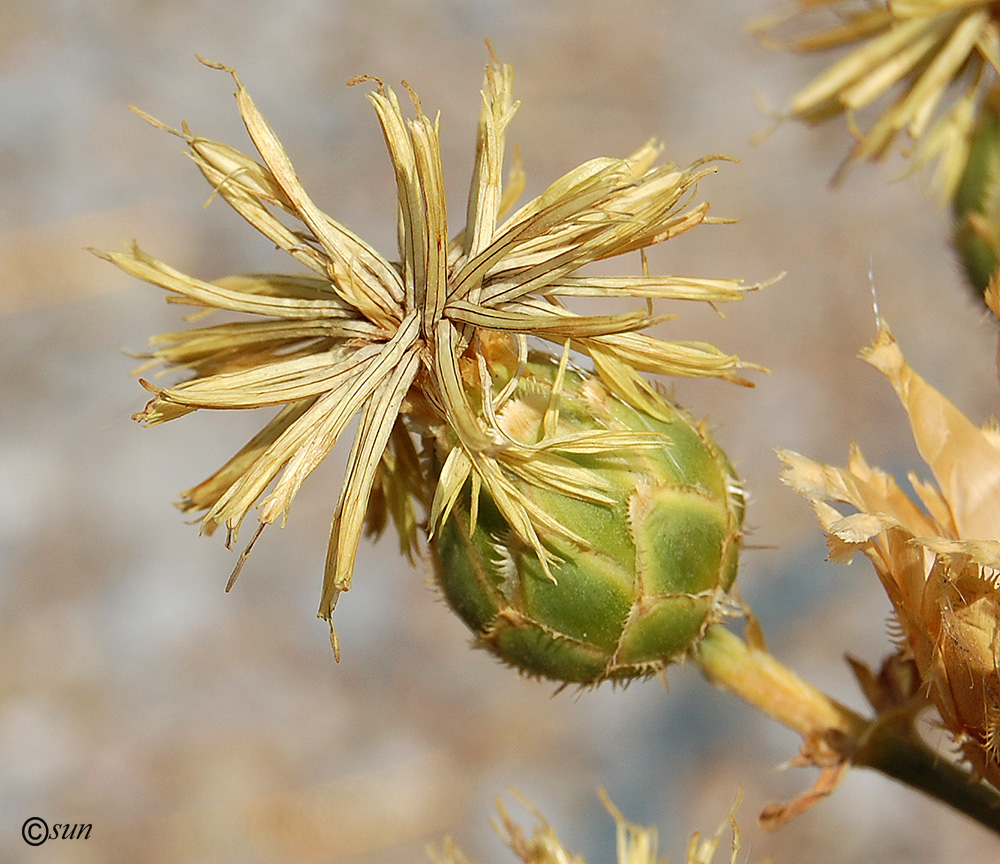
x=583, y=526
x=921, y=77
x=465, y=432
x=921, y=67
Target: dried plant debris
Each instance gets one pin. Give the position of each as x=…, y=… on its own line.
x=635, y=844
x=923, y=67
x=938, y=557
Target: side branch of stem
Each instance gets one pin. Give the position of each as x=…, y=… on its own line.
x=888, y=744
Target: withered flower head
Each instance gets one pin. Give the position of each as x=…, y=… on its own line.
x=635, y=844
x=938, y=563
x=928, y=63
x=405, y=343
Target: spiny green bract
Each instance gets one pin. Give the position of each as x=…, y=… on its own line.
x=660, y=557
x=976, y=204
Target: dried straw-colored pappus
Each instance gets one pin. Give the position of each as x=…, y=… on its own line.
x=635, y=844
x=938, y=563
x=923, y=66
x=406, y=344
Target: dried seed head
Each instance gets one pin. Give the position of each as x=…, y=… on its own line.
x=961, y=623
x=938, y=564
x=924, y=51
x=400, y=344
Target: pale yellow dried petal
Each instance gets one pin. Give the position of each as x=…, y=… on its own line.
x=451, y=390
x=931, y=85
x=842, y=543
x=273, y=383
x=303, y=445
x=654, y=287
x=300, y=286
x=316, y=428
x=857, y=64
x=592, y=443
x=524, y=517
x=868, y=87
x=517, y=181
x=398, y=487
x=642, y=160
x=623, y=380
x=985, y=553
x=311, y=452
x=374, y=430
x=238, y=345
x=551, y=471
x=143, y=266
x=412, y=237
x=920, y=8
x=232, y=503
x=925, y=52
x=246, y=185
x=860, y=527
x=486, y=198
x=206, y=494
x=932, y=499
x=548, y=322
x=451, y=480
x=915, y=109
x=560, y=208
x=646, y=354
x=947, y=143
x=868, y=489
x=989, y=46
x=964, y=460
x=377, y=284
x=636, y=844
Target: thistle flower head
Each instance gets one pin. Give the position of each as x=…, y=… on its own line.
x=938, y=562
x=926, y=63
x=405, y=344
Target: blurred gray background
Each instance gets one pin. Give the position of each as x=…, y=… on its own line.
x=188, y=725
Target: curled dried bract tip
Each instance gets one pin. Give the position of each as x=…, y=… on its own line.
x=937, y=562
x=399, y=343
x=925, y=52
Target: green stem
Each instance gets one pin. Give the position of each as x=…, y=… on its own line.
x=894, y=749
x=888, y=745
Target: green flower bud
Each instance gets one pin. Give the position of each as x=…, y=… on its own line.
x=650, y=565
x=977, y=200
